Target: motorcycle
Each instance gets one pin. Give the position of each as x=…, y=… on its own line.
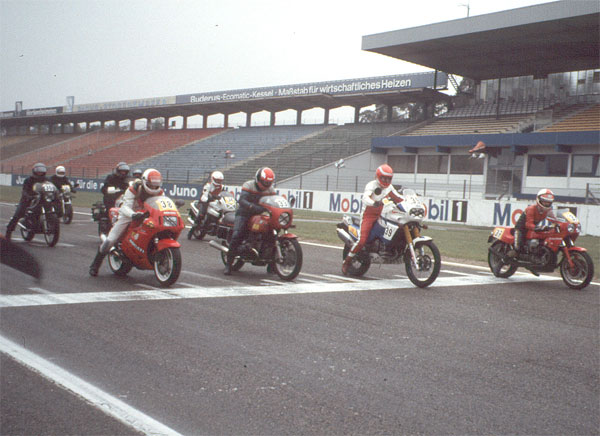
x=540, y=252
x=151, y=244
x=103, y=216
x=394, y=238
x=268, y=243
x=41, y=215
x=66, y=205
x=225, y=203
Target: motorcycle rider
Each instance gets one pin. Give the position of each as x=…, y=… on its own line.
x=59, y=179
x=135, y=175
x=38, y=175
x=115, y=184
x=210, y=192
x=252, y=191
x=531, y=217
x=133, y=199
x=372, y=204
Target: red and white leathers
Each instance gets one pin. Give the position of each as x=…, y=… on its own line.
x=131, y=202
x=210, y=191
x=371, y=209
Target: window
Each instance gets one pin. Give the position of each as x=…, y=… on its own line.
x=433, y=164
x=549, y=165
x=402, y=164
x=585, y=165
x=463, y=164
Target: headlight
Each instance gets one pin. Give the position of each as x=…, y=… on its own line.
x=169, y=221
x=284, y=219
x=417, y=211
x=571, y=228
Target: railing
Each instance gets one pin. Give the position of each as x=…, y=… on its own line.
x=592, y=193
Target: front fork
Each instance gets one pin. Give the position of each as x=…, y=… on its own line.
x=409, y=241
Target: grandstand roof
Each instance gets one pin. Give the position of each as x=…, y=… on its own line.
x=552, y=37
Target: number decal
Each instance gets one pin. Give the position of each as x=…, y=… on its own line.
x=390, y=231
x=498, y=232
x=165, y=203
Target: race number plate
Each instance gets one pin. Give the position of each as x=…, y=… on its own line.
x=390, y=231
x=498, y=232
x=165, y=204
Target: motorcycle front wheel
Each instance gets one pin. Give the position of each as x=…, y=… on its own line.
x=167, y=266
x=290, y=264
x=429, y=262
x=51, y=228
x=498, y=268
x=68, y=215
x=26, y=233
x=581, y=274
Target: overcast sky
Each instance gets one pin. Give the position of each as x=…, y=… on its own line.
x=109, y=50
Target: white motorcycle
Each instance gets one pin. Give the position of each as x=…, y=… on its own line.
x=66, y=205
x=395, y=237
x=225, y=203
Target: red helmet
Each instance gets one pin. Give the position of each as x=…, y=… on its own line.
x=544, y=199
x=384, y=175
x=264, y=178
x=152, y=181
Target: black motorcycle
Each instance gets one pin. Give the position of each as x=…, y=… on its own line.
x=41, y=215
x=100, y=215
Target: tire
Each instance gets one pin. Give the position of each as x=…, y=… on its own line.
x=503, y=271
x=428, y=259
x=584, y=271
x=119, y=265
x=360, y=264
x=167, y=266
x=68, y=216
x=237, y=263
x=26, y=234
x=51, y=228
x=291, y=263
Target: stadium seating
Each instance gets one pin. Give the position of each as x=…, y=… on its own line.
x=506, y=108
x=579, y=118
x=463, y=125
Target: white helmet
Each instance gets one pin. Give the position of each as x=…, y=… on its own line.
x=544, y=199
x=217, y=178
x=60, y=171
x=152, y=181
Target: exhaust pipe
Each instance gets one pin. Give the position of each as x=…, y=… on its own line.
x=344, y=236
x=218, y=246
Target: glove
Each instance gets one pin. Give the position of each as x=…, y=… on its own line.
x=138, y=216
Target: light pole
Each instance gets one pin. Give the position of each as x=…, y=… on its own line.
x=338, y=165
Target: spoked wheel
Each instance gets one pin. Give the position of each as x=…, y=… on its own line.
x=237, y=263
x=118, y=263
x=167, y=266
x=360, y=263
x=290, y=264
x=429, y=262
x=68, y=215
x=582, y=272
x=499, y=269
x=26, y=233
x=51, y=228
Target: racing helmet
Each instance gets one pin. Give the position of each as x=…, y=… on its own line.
x=216, y=178
x=122, y=170
x=264, y=178
x=60, y=171
x=384, y=174
x=152, y=181
x=39, y=170
x=544, y=199
x=137, y=173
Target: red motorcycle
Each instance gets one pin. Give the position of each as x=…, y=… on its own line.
x=151, y=244
x=540, y=253
x=268, y=242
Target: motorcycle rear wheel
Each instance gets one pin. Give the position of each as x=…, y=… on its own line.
x=68, y=215
x=583, y=273
x=167, y=266
x=360, y=263
x=429, y=260
x=118, y=263
x=237, y=263
x=290, y=265
x=51, y=228
x=499, y=269
x=26, y=233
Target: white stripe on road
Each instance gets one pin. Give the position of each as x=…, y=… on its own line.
x=246, y=291
x=105, y=402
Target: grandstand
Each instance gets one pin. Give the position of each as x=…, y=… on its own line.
x=579, y=118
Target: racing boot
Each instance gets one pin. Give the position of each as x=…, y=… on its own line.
x=95, y=266
x=346, y=264
x=8, y=235
x=228, y=263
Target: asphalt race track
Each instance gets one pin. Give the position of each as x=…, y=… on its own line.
x=325, y=354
